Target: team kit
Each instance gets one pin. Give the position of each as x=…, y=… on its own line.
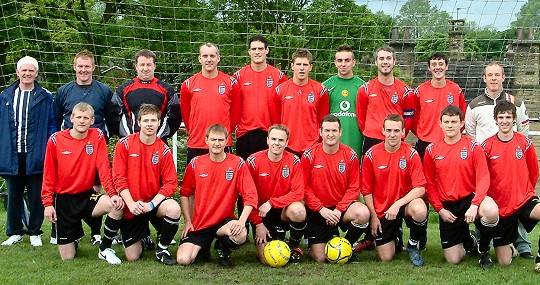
x=313, y=161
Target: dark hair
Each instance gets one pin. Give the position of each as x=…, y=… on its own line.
x=437, y=56
x=258, y=38
x=504, y=107
x=145, y=53
x=280, y=128
x=451, y=110
x=331, y=119
x=346, y=48
x=146, y=109
x=302, y=53
x=216, y=128
x=395, y=118
x=385, y=48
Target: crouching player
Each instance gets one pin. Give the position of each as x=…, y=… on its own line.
x=393, y=187
x=145, y=177
x=211, y=186
x=513, y=165
x=332, y=180
x=457, y=182
x=71, y=160
x=280, y=191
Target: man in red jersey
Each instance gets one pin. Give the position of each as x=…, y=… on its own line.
x=393, y=187
x=431, y=97
x=71, y=160
x=457, y=182
x=301, y=103
x=208, y=194
x=145, y=88
x=206, y=98
x=257, y=82
x=382, y=96
x=145, y=177
x=513, y=165
x=332, y=180
x=280, y=189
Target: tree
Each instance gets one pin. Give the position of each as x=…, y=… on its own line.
x=529, y=17
x=422, y=18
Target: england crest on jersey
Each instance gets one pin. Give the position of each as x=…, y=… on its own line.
x=269, y=82
x=89, y=149
x=463, y=154
x=285, y=171
x=229, y=174
x=394, y=98
x=311, y=97
x=341, y=166
x=519, y=153
x=450, y=99
x=402, y=163
x=155, y=158
x=221, y=89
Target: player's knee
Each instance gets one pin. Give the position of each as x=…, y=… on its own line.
x=504, y=260
x=319, y=257
x=183, y=259
x=132, y=256
x=297, y=212
x=453, y=259
x=419, y=211
x=361, y=215
x=172, y=210
x=67, y=256
x=240, y=238
x=385, y=256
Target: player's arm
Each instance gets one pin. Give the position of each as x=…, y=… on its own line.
x=275, y=111
x=367, y=187
x=431, y=186
x=120, y=177
x=104, y=172
x=185, y=103
x=296, y=191
x=248, y=192
x=236, y=103
x=522, y=119
x=174, y=117
x=169, y=180
x=532, y=163
x=50, y=180
x=115, y=110
x=417, y=109
x=51, y=118
x=462, y=103
x=361, y=106
x=58, y=107
x=408, y=108
x=323, y=105
x=470, y=122
x=311, y=199
x=186, y=194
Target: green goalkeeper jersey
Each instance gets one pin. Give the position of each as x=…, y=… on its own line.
x=343, y=105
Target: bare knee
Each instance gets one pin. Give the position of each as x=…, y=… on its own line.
x=296, y=212
x=172, y=210
x=454, y=260
x=183, y=259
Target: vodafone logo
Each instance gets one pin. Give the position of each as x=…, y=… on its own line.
x=344, y=106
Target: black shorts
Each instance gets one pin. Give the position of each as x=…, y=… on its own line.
x=204, y=237
x=390, y=229
x=368, y=143
x=454, y=233
x=70, y=210
x=506, y=231
x=274, y=224
x=137, y=228
x=318, y=231
x=420, y=147
x=251, y=142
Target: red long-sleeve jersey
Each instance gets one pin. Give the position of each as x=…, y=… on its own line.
x=390, y=176
x=455, y=171
x=514, y=171
x=429, y=102
x=215, y=187
x=301, y=108
x=207, y=101
x=71, y=165
x=256, y=97
x=144, y=170
x=331, y=180
x=280, y=183
x=375, y=101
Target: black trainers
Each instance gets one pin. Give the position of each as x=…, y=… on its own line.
x=164, y=257
x=296, y=254
x=472, y=250
x=95, y=240
x=355, y=258
x=526, y=255
x=148, y=243
x=485, y=260
x=223, y=258
x=202, y=256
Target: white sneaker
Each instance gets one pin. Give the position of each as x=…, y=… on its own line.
x=36, y=241
x=53, y=241
x=12, y=240
x=109, y=255
x=95, y=240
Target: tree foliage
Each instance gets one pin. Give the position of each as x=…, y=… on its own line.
x=423, y=18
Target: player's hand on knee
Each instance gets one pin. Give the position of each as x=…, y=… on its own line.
x=447, y=216
x=50, y=214
x=375, y=225
x=236, y=227
x=117, y=202
x=471, y=213
x=392, y=212
x=187, y=228
x=261, y=234
x=330, y=217
x=264, y=209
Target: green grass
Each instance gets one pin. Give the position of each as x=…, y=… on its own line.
x=22, y=264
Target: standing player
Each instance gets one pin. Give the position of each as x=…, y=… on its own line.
x=256, y=82
x=431, y=97
x=84, y=89
x=280, y=189
x=301, y=103
x=332, y=179
x=457, y=182
x=382, y=96
x=513, y=165
x=145, y=88
x=209, y=191
x=343, y=89
x=144, y=175
x=71, y=161
x=207, y=98
x=480, y=125
x=393, y=187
